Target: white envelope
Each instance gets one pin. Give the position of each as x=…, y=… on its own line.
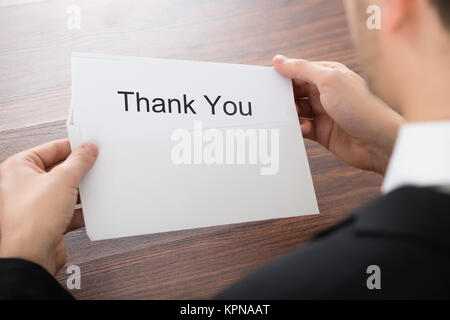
x=137, y=186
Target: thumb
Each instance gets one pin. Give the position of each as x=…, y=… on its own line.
x=297, y=69
x=79, y=162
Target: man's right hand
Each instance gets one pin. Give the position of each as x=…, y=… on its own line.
x=345, y=117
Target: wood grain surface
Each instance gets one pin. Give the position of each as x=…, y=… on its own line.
x=35, y=51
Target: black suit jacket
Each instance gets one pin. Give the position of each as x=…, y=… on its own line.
x=405, y=233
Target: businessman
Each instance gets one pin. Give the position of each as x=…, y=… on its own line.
x=397, y=124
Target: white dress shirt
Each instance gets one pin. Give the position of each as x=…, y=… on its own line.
x=421, y=157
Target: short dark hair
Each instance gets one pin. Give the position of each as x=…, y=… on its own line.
x=443, y=7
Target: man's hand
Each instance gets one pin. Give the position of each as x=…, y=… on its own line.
x=38, y=192
x=341, y=113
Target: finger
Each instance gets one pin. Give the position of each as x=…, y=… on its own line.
x=77, y=221
x=52, y=152
x=301, y=89
x=331, y=64
x=307, y=129
x=78, y=163
x=298, y=70
x=50, y=168
x=304, y=108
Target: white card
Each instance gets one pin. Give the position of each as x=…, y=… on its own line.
x=186, y=144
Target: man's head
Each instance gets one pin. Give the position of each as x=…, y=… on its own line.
x=407, y=60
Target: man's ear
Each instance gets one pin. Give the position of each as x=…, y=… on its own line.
x=396, y=14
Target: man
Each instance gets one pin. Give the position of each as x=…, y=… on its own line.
x=402, y=239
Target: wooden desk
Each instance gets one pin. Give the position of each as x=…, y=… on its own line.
x=35, y=92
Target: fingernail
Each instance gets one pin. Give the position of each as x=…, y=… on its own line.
x=91, y=148
x=280, y=58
